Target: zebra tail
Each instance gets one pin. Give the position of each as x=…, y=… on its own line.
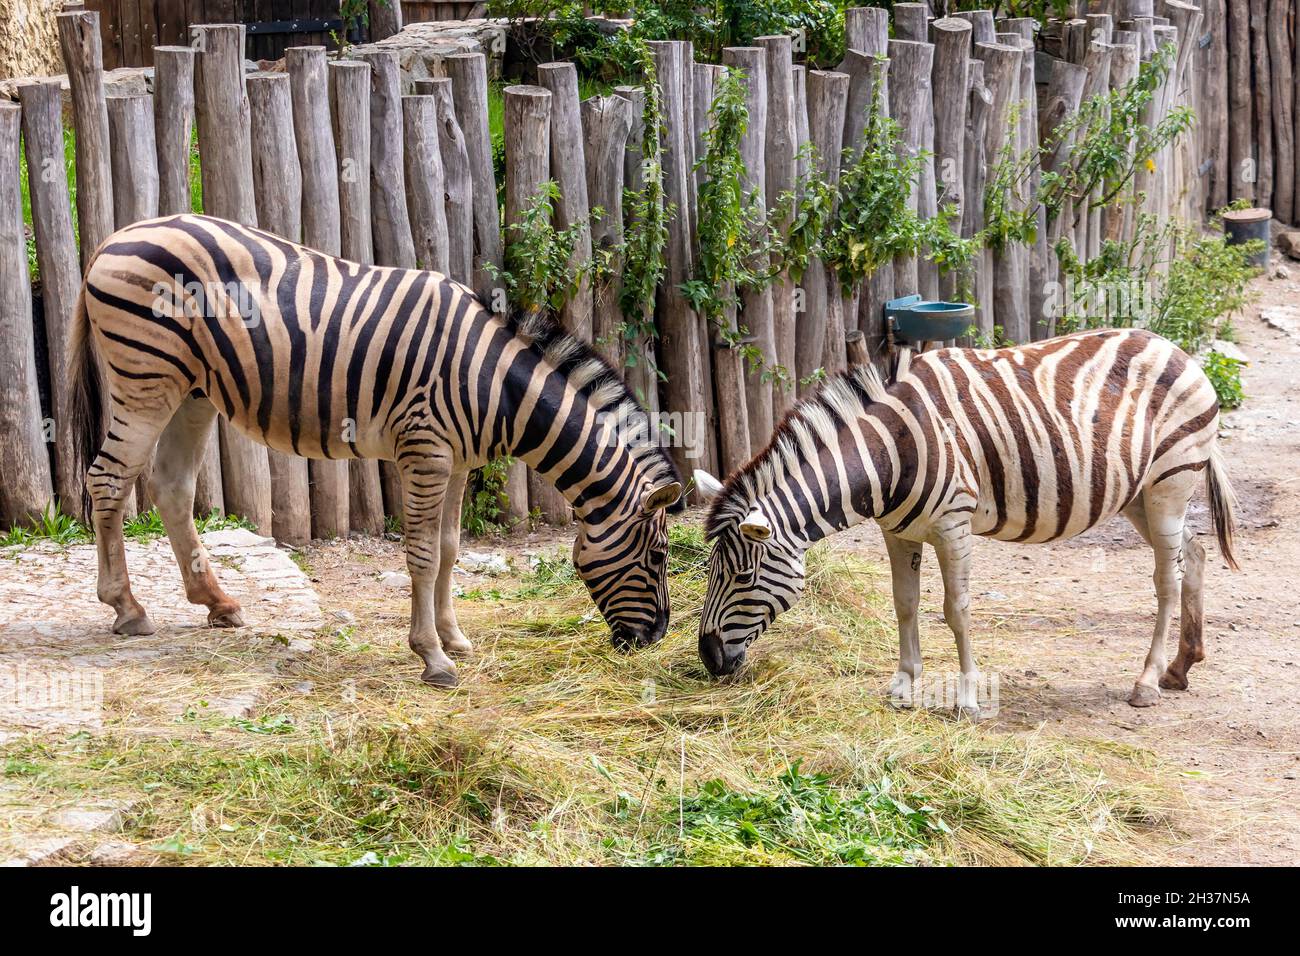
x=86, y=379
x=1223, y=504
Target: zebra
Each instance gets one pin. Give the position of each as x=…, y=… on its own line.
x=185, y=317
x=1030, y=444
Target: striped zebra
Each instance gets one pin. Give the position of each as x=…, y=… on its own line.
x=192, y=316
x=1029, y=444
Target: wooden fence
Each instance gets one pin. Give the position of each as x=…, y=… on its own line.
x=349, y=163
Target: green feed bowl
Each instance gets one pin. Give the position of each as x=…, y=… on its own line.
x=914, y=320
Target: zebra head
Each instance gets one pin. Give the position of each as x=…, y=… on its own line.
x=755, y=573
x=623, y=561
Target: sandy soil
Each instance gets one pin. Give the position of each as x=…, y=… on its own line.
x=1066, y=626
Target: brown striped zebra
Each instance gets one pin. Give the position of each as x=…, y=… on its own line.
x=1030, y=444
x=192, y=316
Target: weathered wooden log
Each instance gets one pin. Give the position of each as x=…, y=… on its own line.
x=321, y=229
x=982, y=26
x=640, y=361
x=26, y=489
x=1062, y=99
x=1002, y=76
x=569, y=170
x=779, y=167
x=911, y=22
x=911, y=106
x=468, y=73
x=135, y=158
x=1212, y=108
x=828, y=95
x=606, y=121
x=349, y=83
x=1097, y=63
x=83, y=57
x=975, y=177
x=277, y=184
x=1244, y=172
x=1280, y=15
x=756, y=304
x=226, y=165
x=457, y=182
x=173, y=116
x=528, y=166
x=867, y=29
x=855, y=344
x=385, y=19
x=952, y=44
x=425, y=191
x=56, y=256
x=680, y=345
x=390, y=218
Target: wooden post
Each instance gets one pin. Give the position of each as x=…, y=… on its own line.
x=569, y=170
x=385, y=18
x=974, y=180
x=779, y=166
x=1212, y=109
x=756, y=304
x=728, y=390
x=952, y=42
x=457, y=183
x=910, y=21
x=856, y=346
x=25, y=491
x=1263, y=86
x=981, y=21
x=606, y=121
x=56, y=255
x=1002, y=76
x=1040, y=272
x=349, y=83
x=226, y=165
x=321, y=230
x=173, y=117
x=828, y=94
x=468, y=72
x=866, y=29
x=681, y=348
x=390, y=219
x=910, y=104
x=528, y=166
x=1062, y=99
x=277, y=181
x=642, y=375
x=135, y=158
x=83, y=57
x=1280, y=15
x=425, y=191
x=1241, y=146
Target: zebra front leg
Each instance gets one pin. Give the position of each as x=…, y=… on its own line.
x=1191, y=619
x=171, y=485
x=453, y=640
x=424, y=488
x=905, y=572
x=953, y=546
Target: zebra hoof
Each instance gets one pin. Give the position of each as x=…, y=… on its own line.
x=900, y=690
x=133, y=624
x=1172, y=681
x=225, y=617
x=445, y=679
x=458, y=646
x=1144, y=695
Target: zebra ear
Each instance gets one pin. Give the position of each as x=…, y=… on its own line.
x=706, y=484
x=662, y=497
x=756, y=527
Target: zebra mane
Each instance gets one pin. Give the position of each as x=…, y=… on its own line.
x=596, y=380
x=811, y=424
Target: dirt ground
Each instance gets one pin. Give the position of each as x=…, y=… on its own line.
x=1066, y=626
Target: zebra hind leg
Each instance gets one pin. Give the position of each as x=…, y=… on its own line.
x=424, y=487
x=1163, y=512
x=109, y=482
x=171, y=486
x=1191, y=618
x=453, y=639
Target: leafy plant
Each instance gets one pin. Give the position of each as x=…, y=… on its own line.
x=1224, y=373
x=539, y=272
x=485, y=499
x=50, y=525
